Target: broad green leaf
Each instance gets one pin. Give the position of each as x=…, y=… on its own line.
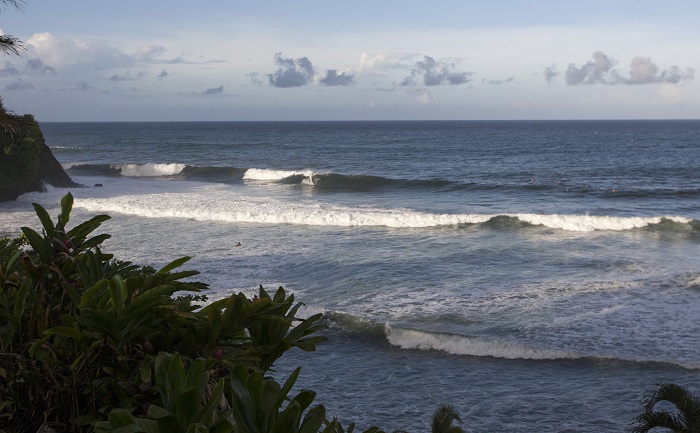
x=7, y=266
x=66, y=331
x=157, y=412
x=118, y=293
x=313, y=420
x=45, y=219
x=305, y=398
x=175, y=380
x=39, y=244
x=66, y=207
x=288, y=384
x=172, y=265
x=145, y=371
x=187, y=404
x=81, y=231
x=92, y=242
x=90, y=294
x=196, y=375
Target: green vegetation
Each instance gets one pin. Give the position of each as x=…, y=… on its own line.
x=26, y=162
x=91, y=343
x=684, y=419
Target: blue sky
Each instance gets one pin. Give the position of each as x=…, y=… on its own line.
x=93, y=60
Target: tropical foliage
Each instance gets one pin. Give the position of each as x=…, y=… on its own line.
x=88, y=342
x=685, y=418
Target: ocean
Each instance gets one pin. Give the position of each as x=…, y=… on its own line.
x=540, y=276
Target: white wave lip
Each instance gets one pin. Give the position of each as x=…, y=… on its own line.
x=470, y=346
x=221, y=206
x=148, y=170
x=269, y=211
x=589, y=223
x=263, y=174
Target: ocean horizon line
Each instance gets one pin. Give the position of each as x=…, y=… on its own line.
x=339, y=121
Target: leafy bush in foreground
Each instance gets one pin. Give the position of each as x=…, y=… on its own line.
x=91, y=343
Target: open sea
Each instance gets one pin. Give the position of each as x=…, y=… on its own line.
x=539, y=276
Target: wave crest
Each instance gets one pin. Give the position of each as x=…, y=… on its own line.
x=148, y=170
x=214, y=206
x=128, y=170
x=470, y=346
x=264, y=174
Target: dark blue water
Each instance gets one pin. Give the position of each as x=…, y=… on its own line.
x=540, y=276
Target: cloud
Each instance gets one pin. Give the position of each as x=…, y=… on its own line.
x=127, y=77
x=148, y=54
x=99, y=55
x=332, y=78
x=81, y=86
x=435, y=73
x=550, y=73
x=33, y=67
x=642, y=71
x=291, y=73
x=214, y=90
x=253, y=76
x=383, y=61
x=8, y=70
x=599, y=70
x=499, y=82
x=65, y=53
x=19, y=85
x=37, y=67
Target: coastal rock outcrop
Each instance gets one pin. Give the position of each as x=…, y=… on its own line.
x=26, y=162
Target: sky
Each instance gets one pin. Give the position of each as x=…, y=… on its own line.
x=158, y=60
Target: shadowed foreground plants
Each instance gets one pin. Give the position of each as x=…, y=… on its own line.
x=89, y=342
x=684, y=418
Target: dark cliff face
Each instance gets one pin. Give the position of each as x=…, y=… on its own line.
x=26, y=162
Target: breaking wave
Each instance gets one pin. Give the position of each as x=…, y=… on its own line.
x=452, y=344
x=242, y=209
x=128, y=170
x=329, y=182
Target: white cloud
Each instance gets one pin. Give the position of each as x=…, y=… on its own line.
x=74, y=53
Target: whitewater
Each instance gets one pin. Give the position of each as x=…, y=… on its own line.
x=539, y=276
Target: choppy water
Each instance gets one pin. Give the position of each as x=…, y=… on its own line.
x=540, y=276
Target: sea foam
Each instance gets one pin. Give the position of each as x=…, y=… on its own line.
x=471, y=346
x=220, y=204
x=148, y=170
x=262, y=174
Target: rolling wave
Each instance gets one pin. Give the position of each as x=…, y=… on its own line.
x=127, y=170
x=452, y=344
x=335, y=182
x=221, y=206
x=462, y=345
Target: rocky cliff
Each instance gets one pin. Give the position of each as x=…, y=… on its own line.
x=26, y=162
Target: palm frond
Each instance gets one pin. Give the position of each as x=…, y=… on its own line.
x=17, y=4
x=685, y=419
x=654, y=419
x=10, y=45
x=443, y=417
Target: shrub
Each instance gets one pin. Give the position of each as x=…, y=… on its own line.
x=89, y=342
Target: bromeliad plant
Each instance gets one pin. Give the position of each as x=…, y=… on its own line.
x=88, y=342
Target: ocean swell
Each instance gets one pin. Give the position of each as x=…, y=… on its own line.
x=128, y=170
x=224, y=207
x=412, y=339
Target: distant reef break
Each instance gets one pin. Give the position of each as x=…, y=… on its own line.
x=26, y=162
